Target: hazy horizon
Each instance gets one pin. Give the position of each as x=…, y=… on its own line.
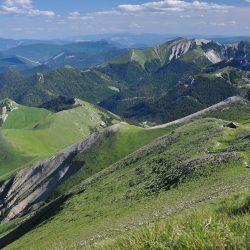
x=106, y=36
x=44, y=19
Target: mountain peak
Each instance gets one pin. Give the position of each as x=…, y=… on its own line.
x=200, y=42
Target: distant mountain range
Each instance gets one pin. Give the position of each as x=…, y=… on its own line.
x=79, y=54
x=156, y=84
x=123, y=40
x=6, y=44
x=82, y=51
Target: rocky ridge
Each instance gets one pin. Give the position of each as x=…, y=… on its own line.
x=32, y=186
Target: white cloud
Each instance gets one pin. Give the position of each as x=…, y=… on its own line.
x=157, y=7
x=172, y=5
x=77, y=16
x=23, y=7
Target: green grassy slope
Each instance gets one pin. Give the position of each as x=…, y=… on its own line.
x=34, y=133
x=25, y=117
x=159, y=54
x=10, y=158
x=188, y=166
x=109, y=150
x=225, y=224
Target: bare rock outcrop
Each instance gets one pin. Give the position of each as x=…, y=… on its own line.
x=30, y=187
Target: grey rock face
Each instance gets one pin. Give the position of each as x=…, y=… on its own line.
x=30, y=187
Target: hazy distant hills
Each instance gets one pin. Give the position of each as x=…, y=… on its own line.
x=130, y=40
x=80, y=54
x=123, y=40
x=6, y=44
x=82, y=51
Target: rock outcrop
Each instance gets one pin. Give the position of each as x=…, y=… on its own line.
x=30, y=187
x=6, y=106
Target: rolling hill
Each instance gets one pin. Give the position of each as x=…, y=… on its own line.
x=28, y=134
x=129, y=177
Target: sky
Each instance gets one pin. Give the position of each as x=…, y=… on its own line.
x=52, y=19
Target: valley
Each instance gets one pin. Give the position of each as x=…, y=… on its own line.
x=29, y=134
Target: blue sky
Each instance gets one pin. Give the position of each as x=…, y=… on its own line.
x=46, y=19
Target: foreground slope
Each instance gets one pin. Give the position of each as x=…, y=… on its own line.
x=190, y=164
x=209, y=227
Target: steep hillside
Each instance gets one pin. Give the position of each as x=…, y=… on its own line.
x=176, y=97
x=35, y=90
x=199, y=52
x=28, y=134
x=204, y=52
x=190, y=164
x=177, y=78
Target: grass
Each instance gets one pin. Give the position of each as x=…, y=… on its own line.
x=34, y=133
x=109, y=150
x=10, y=158
x=221, y=226
x=237, y=112
x=121, y=197
x=25, y=117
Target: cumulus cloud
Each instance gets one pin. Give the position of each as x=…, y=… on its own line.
x=172, y=5
x=161, y=7
x=23, y=7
